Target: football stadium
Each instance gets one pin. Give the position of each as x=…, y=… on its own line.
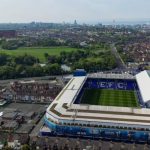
x=101, y=106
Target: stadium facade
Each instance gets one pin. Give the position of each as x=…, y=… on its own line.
x=68, y=116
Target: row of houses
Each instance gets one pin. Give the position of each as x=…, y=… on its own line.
x=139, y=51
x=31, y=91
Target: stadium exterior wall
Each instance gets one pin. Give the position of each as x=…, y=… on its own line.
x=96, y=133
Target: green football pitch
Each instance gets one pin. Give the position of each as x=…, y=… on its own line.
x=108, y=97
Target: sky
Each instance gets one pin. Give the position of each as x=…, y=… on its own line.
x=84, y=11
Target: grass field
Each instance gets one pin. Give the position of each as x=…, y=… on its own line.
x=38, y=52
x=108, y=97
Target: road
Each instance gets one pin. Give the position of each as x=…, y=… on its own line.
x=35, y=131
x=7, y=82
x=120, y=62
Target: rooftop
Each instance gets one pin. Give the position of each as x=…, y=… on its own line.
x=143, y=80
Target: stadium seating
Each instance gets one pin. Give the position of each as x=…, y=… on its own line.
x=111, y=84
x=116, y=84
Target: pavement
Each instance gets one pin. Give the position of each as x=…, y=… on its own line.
x=24, y=107
x=35, y=131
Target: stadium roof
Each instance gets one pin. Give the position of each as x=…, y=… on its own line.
x=70, y=91
x=111, y=76
x=148, y=72
x=143, y=80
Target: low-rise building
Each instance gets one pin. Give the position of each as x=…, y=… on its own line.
x=14, y=144
x=9, y=115
x=8, y=34
x=10, y=125
x=32, y=91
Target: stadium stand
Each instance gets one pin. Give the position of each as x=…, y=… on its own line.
x=68, y=116
x=143, y=80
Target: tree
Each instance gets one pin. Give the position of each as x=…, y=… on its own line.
x=3, y=59
x=53, y=59
x=25, y=60
x=46, y=55
x=7, y=72
x=19, y=69
x=10, y=45
x=37, y=70
x=25, y=147
x=52, y=69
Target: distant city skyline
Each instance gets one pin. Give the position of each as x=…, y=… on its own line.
x=84, y=11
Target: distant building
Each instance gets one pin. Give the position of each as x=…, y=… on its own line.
x=75, y=22
x=83, y=44
x=8, y=34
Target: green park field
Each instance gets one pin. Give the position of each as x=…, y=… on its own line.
x=38, y=52
x=108, y=97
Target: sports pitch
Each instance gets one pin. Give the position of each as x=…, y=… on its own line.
x=109, y=97
x=38, y=51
